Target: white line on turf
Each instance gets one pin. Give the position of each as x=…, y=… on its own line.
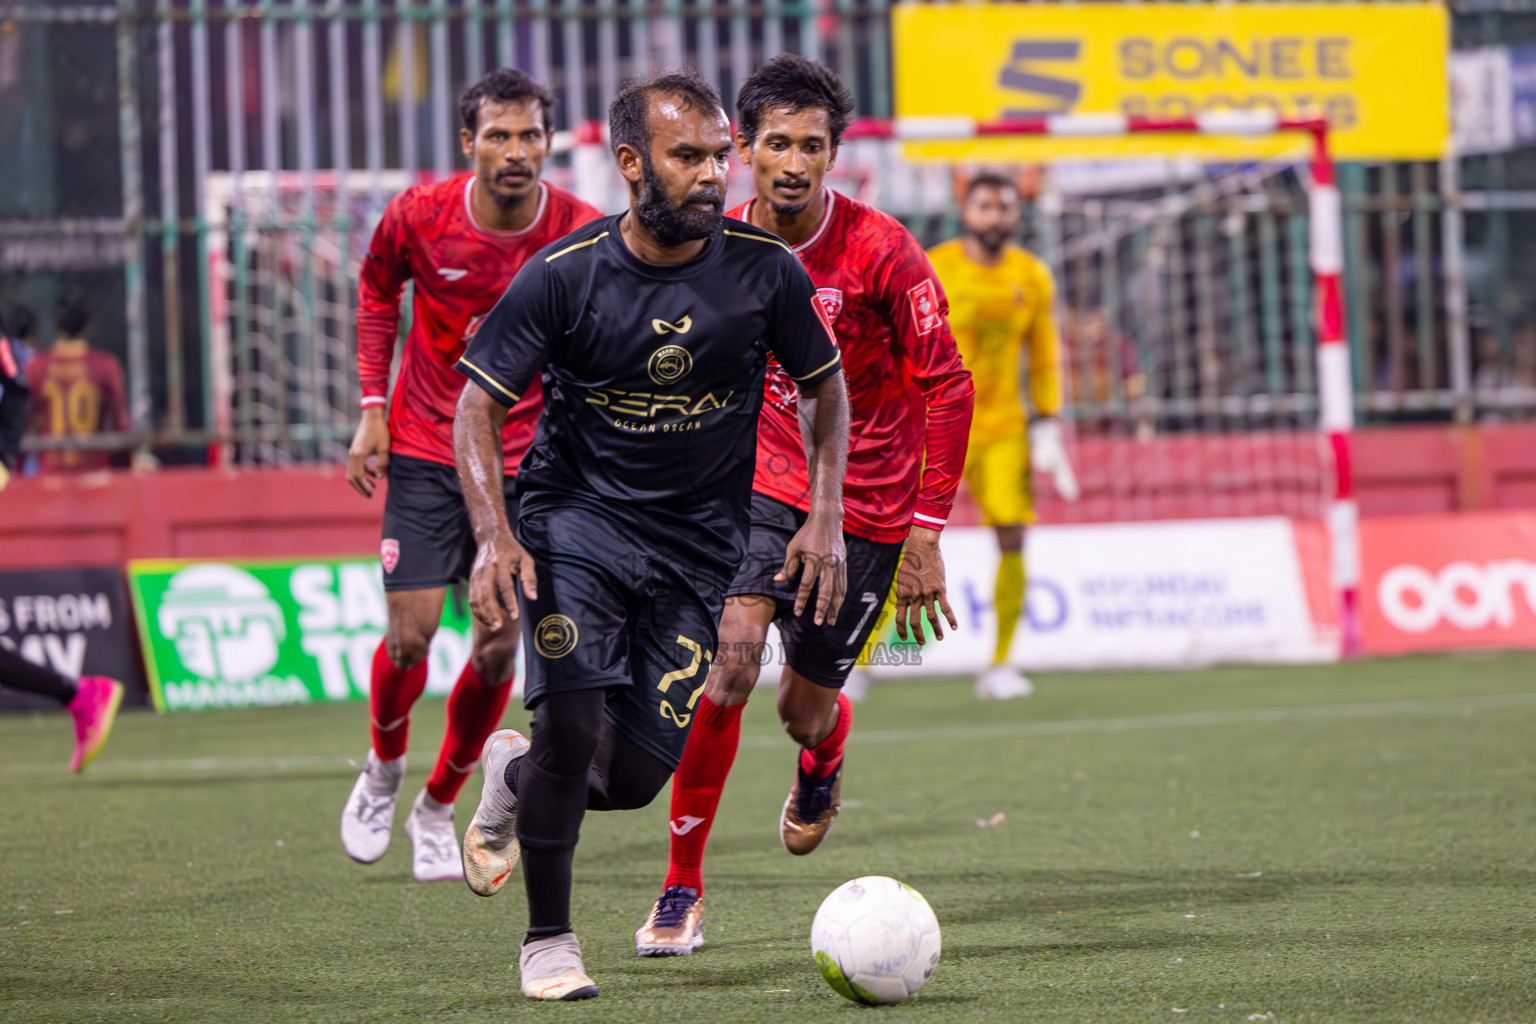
x=1183, y=720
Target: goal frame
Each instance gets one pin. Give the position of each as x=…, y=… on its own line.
x=1325, y=257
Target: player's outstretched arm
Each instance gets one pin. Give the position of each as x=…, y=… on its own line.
x=499, y=557
x=817, y=553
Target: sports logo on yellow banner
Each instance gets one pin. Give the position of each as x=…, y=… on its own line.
x=1377, y=72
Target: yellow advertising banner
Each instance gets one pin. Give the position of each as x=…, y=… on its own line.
x=1376, y=71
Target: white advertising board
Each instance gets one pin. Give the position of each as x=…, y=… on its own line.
x=1147, y=595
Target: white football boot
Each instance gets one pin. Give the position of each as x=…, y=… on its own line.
x=434, y=847
x=369, y=816
x=1000, y=682
x=490, y=841
x=552, y=970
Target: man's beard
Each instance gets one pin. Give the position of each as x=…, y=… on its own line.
x=507, y=201
x=991, y=240
x=787, y=210
x=673, y=225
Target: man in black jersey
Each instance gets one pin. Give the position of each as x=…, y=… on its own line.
x=652, y=330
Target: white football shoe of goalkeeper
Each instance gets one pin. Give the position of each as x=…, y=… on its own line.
x=1049, y=456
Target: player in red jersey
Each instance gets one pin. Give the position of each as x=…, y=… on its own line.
x=460, y=241
x=910, y=406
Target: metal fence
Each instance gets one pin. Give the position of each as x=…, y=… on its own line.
x=206, y=171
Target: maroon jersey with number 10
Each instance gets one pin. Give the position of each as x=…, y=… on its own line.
x=430, y=236
x=909, y=395
x=77, y=391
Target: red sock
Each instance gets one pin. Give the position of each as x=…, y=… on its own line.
x=818, y=761
x=474, y=712
x=390, y=696
x=696, y=786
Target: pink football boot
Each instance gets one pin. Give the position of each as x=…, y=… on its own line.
x=93, y=709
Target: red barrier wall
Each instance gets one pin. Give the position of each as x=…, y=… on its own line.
x=107, y=518
x=1406, y=470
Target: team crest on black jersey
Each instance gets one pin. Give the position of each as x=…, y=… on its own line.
x=669, y=364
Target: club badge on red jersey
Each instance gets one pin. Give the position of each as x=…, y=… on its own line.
x=924, y=299
x=830, y=302
x=389, y=554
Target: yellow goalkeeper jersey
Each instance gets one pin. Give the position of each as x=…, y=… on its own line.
x=994, y=312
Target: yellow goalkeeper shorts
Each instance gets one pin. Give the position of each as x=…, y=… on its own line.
x=997, y=473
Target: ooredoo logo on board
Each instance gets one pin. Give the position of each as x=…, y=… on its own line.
x=1442, y=582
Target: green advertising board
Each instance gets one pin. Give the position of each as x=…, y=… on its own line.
x=258, y=633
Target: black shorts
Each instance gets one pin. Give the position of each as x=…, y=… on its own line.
x=823, y=654
x=428, y=541
x=623, y=611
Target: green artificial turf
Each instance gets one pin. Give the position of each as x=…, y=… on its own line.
x=1342, y=843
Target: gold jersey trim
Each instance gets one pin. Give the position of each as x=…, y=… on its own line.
x=492, y=381
x=835, y=360
x=572, y=248
x=760, y=238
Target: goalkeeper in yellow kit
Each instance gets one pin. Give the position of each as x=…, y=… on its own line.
x=999, y=306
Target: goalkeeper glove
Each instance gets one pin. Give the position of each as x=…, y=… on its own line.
x=1050, y=456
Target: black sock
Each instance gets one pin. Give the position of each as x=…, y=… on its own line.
x=18, y=673
x=549, y=901
x=549, y=812
x=509, y=773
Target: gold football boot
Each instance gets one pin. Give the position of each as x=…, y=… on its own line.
x=809, y=810
x=676, y=924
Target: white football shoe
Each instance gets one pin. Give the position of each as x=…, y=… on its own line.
x=434, y=847
x=552, y=970
x=369, y=816
x=1000, y=682
x=490, y=849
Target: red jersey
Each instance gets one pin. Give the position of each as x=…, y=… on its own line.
x=909, y=395
x=428, y=235
x=77, y=391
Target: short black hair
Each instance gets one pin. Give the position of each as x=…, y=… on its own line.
x=505, y=85
x=628, y=114
x=793, y=82
x=72, y=317
x=991, y=179
x=20, y=322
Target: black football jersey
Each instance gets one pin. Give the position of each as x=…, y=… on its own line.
x=652, y=375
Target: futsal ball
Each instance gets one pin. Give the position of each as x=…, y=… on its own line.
x=876, y=940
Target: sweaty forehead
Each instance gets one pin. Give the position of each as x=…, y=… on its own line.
x=510, y=113
x=795, y=121
x=681, y=118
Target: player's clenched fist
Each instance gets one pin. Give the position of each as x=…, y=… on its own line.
x=491, y=587
x=368, y=458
